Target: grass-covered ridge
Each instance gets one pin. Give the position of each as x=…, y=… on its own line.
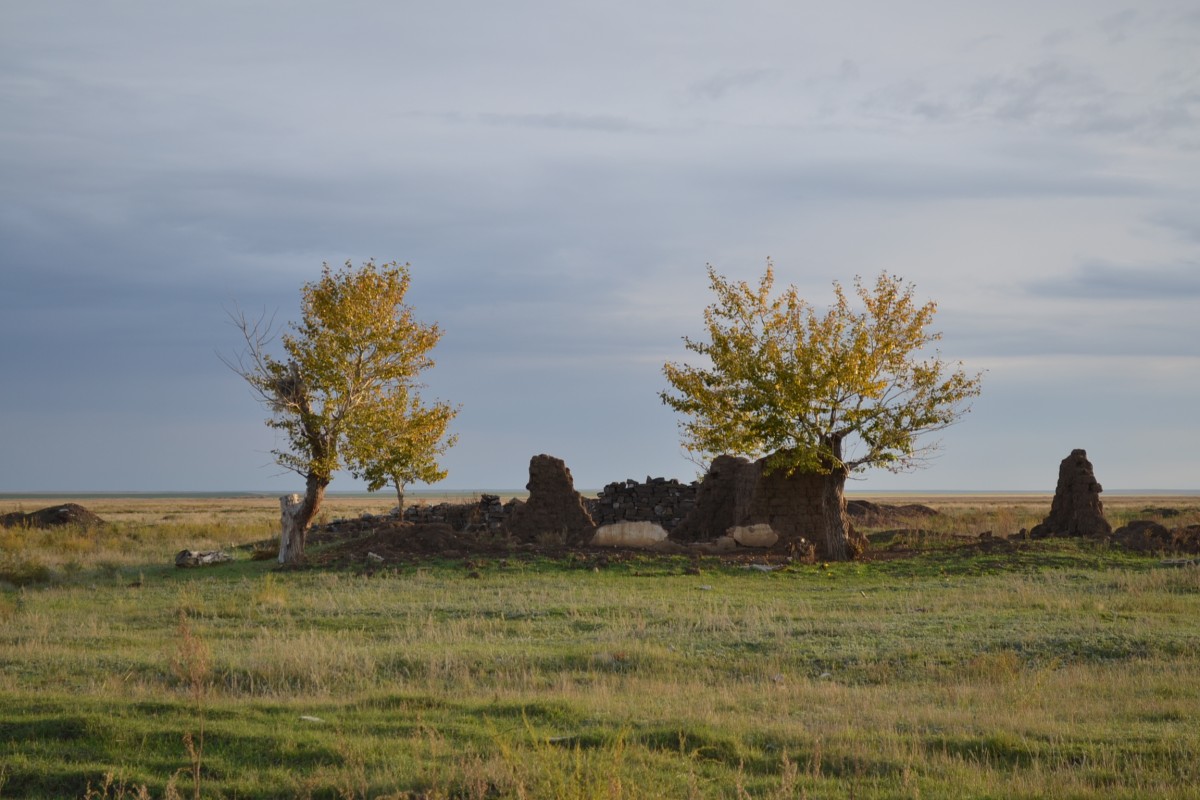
x=1064, y=668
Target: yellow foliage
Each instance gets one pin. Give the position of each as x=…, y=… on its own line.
x=346, y=392
x=819, y=392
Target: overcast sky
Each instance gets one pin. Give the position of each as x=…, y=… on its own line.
x=558, y=175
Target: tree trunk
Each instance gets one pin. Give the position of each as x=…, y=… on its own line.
x=833, y=510
x=296, y=515
x=399, y=500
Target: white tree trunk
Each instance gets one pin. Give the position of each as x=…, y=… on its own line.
x=293, y=522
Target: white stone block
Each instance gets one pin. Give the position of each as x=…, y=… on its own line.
x=629, y=534
x=760, y=535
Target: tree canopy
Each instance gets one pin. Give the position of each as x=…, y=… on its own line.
x=346, y=386
x=832, y=392
x=401, y=445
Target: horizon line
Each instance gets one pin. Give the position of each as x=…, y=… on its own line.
x=513, y=491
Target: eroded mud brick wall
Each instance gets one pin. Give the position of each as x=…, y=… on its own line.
x=553, y=507
x=735, y=491
x=658, y=500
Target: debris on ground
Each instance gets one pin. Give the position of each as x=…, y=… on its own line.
x=196, y=558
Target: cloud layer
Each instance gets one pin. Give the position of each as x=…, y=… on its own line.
x=559, y=175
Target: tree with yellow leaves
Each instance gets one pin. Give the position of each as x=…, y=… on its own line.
x=400, y=445
x=821, y=393
x=346, y=389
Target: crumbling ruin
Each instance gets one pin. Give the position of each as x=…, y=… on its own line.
x=737, y=493
x=659, y=500
x=486, y=515
x=554, y=508
x=1076, y=509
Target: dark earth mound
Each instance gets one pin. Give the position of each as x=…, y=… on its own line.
x=867, y=514
x=1147, y=536
x=386, y=539
x=383, y=541
x=53, y=517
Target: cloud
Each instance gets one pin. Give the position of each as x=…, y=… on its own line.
x=560, y=121
x=1118, y=26
x=1181, y=220
x=558, y=176
x=1103, y=280
x=717, y=86
x=1056, y=37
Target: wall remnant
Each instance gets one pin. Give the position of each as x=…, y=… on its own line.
x=554, y=508
x=659, y=500
x=737, y=492
x=1076, y=509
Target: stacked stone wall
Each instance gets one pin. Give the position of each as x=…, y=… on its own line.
x=486, y=515
x=663, y=501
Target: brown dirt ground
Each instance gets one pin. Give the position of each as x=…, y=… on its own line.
x=382, y=540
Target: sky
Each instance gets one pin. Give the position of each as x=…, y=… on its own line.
x=558, y=175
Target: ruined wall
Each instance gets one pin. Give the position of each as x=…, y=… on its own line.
x=659, y=500
x=737, y=492
x=554, y=508
x=1076, y=509
x=486, y=515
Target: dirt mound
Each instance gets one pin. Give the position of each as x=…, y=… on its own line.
x=1158, y=511
x=1144, y=535
x=868, y=514
x=53, y=517
x=390, y=540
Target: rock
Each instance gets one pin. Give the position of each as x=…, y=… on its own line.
x=195, y=558
x=629, y=534
x=554, y=508
x=1076, y=509
x=761, y=535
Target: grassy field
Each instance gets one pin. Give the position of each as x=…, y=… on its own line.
x=1054, y=669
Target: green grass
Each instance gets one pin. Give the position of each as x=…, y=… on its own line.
x=1060, y=669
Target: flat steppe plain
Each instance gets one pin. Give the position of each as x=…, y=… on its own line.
x=948, y=669
x=263, y=509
